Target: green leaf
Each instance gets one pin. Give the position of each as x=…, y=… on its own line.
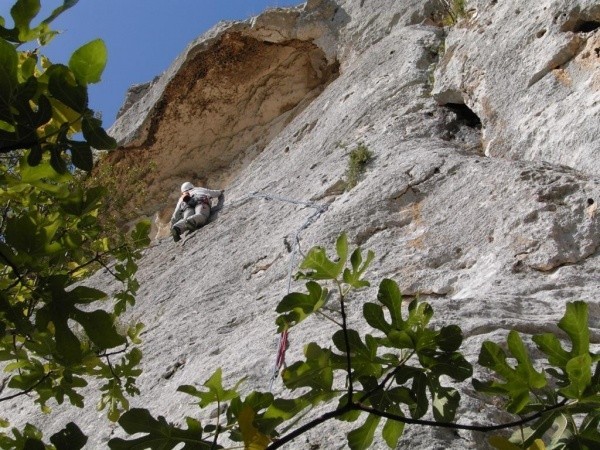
x=353, y=277
x=43, y=171
x=419, y=314
x=140, y=235
x=63, y=86
x=23, y=13
x=321, y=267
x=81, y=155
x=66, y=342
x=158, y=434
x=24, y=94
x=363, y=355
x=56, y=160
x=100, y=328
x=401, y=339
x=285, y=409
x=84, y=294
x=579, y=370
x=389, y=295
x=375, y=317
x=362, y=437
x=88, y=62
x=419, y=395
x=540, y=427
x=95, y=134
x=296, y=306
x=8, y=72
x=216, y=392
x=69, y=438
x=59, y=10
x=98, y=325
x=253, y=438
x=534, y=379
x=34, y=444
x=550, y=345
x=445, y=402
x=316, y=372
x=392, y=430
x=575, y=324
x=20, y=233
x=520, y=380
x=453, y=365
x=44, y=112
x=589, y=429
x=450, y=338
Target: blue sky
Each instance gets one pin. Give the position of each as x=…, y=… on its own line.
x=143, y=36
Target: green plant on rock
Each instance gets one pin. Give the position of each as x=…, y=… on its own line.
x=394, y=376
x=454, y=10
x=126, y=194
x=357, y=161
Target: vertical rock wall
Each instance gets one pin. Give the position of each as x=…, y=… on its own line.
x=480, y=198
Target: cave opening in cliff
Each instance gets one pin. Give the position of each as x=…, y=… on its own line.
x=581, y=22
x=465, y=115
x=586, y=26
x=463, y=126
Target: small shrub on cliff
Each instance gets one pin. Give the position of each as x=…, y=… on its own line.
x=454, y=10
x=126, y=193
x=357, y=161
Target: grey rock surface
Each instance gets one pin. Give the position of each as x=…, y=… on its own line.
x=485, y=207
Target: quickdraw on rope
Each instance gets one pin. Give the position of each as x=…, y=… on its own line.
x=283, y=336
x=319, y=209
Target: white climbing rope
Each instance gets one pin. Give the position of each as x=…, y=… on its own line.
x=282, y=343
x=319, y=209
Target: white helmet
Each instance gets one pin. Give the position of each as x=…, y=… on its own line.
x=186, y=186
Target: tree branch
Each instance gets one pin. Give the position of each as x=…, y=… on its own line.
x=407, y=420
x=98, y=258
x=457, y=426
x=347, y=342
x=15, y=270
x=388, y=377
x=26, y=391
x=310, y=425
x=116, y=352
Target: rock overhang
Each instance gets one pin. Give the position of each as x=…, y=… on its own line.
x=220, y=104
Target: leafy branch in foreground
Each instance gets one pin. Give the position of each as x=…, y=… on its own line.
x=56, y=333
x=394, y=376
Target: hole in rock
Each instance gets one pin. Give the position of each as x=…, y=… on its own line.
x=590, y=201
x=580, y=21
x=465, y=115
x=462, y=125
x=586, y=26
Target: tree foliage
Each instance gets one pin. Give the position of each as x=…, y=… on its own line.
x=56, y=333
x=400, y=373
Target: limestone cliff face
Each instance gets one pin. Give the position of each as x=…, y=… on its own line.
x=481, y=196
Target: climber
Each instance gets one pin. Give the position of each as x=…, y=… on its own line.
x=193, y=208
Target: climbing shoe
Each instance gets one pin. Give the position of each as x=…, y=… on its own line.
x=175, y=234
